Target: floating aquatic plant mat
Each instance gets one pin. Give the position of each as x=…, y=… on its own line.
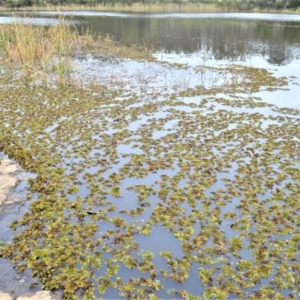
x=192, y=195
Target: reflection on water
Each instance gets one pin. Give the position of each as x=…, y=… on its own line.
x=243, y=16
x=32, y=21
x=223, y=36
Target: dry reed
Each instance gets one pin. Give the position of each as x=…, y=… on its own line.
x=37, y=49
x=41, y=52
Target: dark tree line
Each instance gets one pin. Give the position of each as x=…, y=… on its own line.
x=230, y=4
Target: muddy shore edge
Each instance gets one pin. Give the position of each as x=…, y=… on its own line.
x=11, y=175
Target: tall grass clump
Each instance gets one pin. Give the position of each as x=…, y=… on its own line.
x=47, y=53
x=38, y=50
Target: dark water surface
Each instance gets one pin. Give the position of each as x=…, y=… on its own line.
x=228, y=36
x=234, y=37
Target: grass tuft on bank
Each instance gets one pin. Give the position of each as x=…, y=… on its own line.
x=45, y=54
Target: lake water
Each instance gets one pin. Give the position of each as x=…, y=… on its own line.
x=203, y=141
x=235, y=37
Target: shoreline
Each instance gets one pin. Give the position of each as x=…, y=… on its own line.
x=149, y=8
x=11, y=175
x=41, y=295
x=9, y=178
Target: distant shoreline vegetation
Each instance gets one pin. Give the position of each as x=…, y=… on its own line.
x=288, y=6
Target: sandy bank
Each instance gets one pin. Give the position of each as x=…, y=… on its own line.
x=10, y=175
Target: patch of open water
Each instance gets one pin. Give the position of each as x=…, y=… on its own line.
x=251, y=16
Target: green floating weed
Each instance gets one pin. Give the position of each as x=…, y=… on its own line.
x=220, y=181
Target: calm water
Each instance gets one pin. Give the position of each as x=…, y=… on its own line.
x=227, y=36
x=259, y=40
x=224, y=36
